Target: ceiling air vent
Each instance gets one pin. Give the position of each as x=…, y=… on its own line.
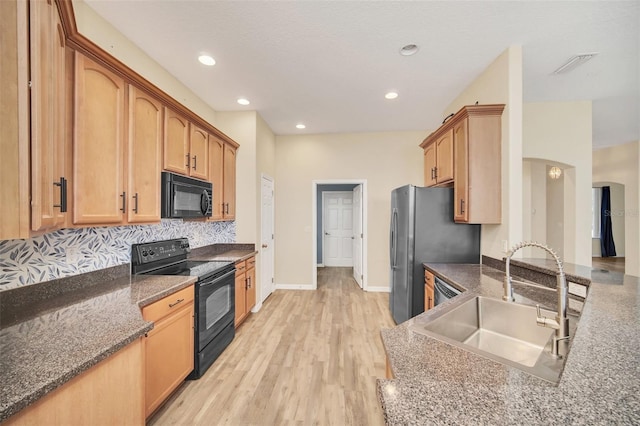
x=574, y=61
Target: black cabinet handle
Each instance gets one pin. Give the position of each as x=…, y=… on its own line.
x=435, y=173
x=188, y=160
x=195, y=164
x=461, y=205
x=124, y=202
x=171, y=305
x=432, y=177
x=135, y=203
x=63, y=195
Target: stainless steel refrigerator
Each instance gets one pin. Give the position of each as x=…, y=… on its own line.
x=423, y=231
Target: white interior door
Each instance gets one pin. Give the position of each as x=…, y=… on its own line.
x=357, y=234
x=337, y=224
x=267, y=239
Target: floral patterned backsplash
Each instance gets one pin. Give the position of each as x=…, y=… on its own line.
x=75, y=251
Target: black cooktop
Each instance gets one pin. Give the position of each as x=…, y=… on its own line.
x=169, y=257
x=197, y=268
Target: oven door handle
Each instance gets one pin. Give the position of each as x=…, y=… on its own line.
x=217, y=279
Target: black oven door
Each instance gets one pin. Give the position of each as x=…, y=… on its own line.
x=216, y=306
x=183, y=197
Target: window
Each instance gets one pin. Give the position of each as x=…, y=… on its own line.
x=596, y=202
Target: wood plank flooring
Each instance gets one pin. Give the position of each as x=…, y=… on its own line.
x=308, y=357
x=613, y=264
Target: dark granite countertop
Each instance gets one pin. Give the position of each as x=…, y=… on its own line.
x=224, y=252
x=56, y=343
x=436, y=383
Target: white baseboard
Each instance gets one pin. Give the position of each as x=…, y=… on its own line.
x=294, y=287
x=257, y=307
x=320, y=265
x=378, y=289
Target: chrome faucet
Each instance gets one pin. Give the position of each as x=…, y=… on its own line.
x=561, y=323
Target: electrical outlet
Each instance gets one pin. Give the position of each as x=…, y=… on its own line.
x=505, y=246
x=73, y=255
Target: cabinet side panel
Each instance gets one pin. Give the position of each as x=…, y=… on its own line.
x=14, y=121
x=485, y=174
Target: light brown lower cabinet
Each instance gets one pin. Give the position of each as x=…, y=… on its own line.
x=109, y=393
x=168, y=347
x=245, y=289
x=429, y=296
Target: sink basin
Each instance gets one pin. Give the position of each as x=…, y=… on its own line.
x=502, y=331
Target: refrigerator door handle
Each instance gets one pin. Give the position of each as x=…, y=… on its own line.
x=394, y=239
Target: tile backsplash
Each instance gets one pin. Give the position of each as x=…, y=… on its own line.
x=75, y=251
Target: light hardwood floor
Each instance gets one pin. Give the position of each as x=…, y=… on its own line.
x=308, y=357
x=614, y=264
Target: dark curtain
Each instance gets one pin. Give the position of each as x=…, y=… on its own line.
x=607, y=246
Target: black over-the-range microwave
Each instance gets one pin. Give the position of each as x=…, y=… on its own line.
x=184, y=197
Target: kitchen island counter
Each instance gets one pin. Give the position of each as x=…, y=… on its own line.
x=436, y=383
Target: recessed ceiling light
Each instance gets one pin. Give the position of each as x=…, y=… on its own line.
x=243, y=101
x=300, y=126
x=391, y=95
x=574, y=62
x=409, y=49
x=207, y=60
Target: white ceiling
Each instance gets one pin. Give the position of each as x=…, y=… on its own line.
x=329, y=64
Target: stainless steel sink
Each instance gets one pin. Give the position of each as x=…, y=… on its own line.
x=502, y=331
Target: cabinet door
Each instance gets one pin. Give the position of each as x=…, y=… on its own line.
x=98, y=169
x=199, y=152
x=168, y=355
x=461, y=170
x=144, y=161
x=241, y=295
x=251, y=288
x=216, y=174
x=176, y=143
x=229, y=182
x=430, y=165
x=430, y=298
x=47, y=58
x=444, y=158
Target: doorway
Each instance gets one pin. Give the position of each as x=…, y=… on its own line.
x=339, y=209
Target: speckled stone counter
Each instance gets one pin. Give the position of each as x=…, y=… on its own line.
x=224, y=252
x=57, y=337
x=436, y=383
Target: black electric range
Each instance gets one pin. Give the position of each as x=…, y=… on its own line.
x=214, y=294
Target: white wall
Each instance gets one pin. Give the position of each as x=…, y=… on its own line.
x=501, y=83
x=385, y=160
x=560, y=132
x=102, y=33
x=619, y=164
x=555, y=215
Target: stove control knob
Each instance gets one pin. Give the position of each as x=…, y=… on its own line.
x=144, y=253
x=151, y=253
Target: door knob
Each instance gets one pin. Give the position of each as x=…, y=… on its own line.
x=265, y=246
x=326, y=233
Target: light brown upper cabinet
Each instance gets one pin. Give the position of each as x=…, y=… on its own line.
x=34, y=127
x=438, y=159
x=186, y=147
x=116, y=162
x=176, y=143
x=222, y=171
x=98, y=161
x=48, y=130
x=229, y=192
x=199, y=153
x=477, y=131
x=473, y=138
x=144, y=157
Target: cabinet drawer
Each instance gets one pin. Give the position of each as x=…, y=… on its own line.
x=241, y=267
x=251, y=262
x=167, y=305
